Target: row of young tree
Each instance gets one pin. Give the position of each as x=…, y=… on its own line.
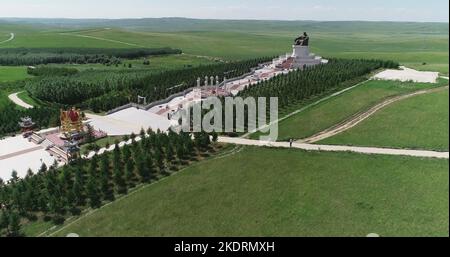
x=54, y=194
x=51, y=71
x=35, y=56
x=93, y=89
x=303, y=84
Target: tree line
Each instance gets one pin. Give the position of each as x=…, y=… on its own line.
x=54, y=194
x=105, y=90
x=35, y=56
x=303, y=84
x=51, y=71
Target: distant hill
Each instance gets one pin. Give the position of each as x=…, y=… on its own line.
x=185, y=24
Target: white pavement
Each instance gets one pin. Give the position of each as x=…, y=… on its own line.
x=18, y=101
x=406, y=74
x=338, y=148
x=16, y=153
x=128, y=121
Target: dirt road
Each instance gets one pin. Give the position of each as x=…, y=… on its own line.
x=361, y=116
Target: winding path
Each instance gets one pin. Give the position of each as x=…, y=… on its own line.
x=337, y=148
x=361, y=116
x=9, y=39
x=100, y=38
x=18, y=101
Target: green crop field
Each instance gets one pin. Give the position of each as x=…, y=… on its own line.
x=420, y=122
x=270, y=192
x=337, y=109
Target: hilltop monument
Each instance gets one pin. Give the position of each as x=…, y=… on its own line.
x=300, y=57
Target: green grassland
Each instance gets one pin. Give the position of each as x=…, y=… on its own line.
x=285, y=192
x=412, y=44
x=339, y=108
x=420, y=122
x=8, y=74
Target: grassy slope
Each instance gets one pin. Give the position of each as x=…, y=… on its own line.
x=267, y=192
x=337, y=109
x=8, y=74
x=410, y=43
x=419, y=122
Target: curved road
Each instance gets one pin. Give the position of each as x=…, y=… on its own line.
x=359, y=117
x=9, y=39
x=18, y=101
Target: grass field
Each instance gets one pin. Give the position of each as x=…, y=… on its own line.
x=420, y=122
x=412, y=44
x=8, y=73
x=285, y=192
x=337, y=109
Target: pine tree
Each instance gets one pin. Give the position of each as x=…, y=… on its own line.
x=143, y=169
x=130, y=176
x=159, y=159
x=93, y=193
x=105, y=186
x=78, y=188
x=14, y=225
x=4, y=220
x=121, y=186
x=14, y=177
x=43, y=168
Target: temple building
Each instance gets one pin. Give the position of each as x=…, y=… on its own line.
x=27, y=125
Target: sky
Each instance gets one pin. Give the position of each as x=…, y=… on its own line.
x=323, y=10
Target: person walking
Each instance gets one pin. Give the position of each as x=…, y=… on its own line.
x=290, y=142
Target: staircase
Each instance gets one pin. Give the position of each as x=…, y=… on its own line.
x=36, y=138
x=58, y=154
x=47, y=144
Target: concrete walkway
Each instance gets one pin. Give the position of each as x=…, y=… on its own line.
x=18, y=101
x=338, y=148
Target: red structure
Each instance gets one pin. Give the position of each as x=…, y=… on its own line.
x=27, y=125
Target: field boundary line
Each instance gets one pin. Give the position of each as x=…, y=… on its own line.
x=100, y=38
